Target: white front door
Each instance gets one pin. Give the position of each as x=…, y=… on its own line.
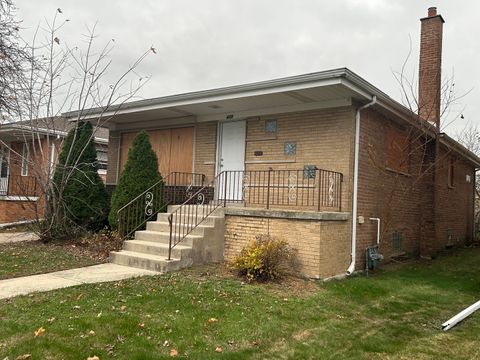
x=3, y=170
x=232, y=159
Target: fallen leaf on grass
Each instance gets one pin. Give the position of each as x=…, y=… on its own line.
x=94, y=357
x=24, y=357
x=110, y=349
x=212, y=320
x=141, y=325
x=51, y=320
x=218, y=349
x=39, y=332
x=173, y=352
x=91, y=333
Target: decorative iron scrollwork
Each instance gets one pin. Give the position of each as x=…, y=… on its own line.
x=189, y=191
x=200, y=199
x=149, y=203
x=292, y=187
x=331, y=184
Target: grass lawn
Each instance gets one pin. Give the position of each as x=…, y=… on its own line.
x=391, y=315
x=35, y=257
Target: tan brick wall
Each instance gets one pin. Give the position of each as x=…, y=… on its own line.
x=205, y=149
x=335, y=247
x=112, y=166
x=322, y=245
x=324, y=138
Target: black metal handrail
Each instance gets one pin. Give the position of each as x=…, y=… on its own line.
x=18, y=185
x=176, y=186
x=307, y=188
x=194, y=211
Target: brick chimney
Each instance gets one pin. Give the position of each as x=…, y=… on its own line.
x=430, y=68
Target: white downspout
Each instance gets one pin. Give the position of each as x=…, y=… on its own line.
x=351, y=268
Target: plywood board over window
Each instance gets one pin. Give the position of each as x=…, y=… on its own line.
x=174, y=149
x=398, y=150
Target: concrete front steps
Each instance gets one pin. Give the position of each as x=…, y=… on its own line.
x=149, y=249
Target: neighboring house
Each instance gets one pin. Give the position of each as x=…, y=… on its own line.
x=28, y=152
x=311, y=159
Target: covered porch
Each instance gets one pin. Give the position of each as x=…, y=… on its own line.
x=315, y=190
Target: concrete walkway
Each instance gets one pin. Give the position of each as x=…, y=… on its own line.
x=62, y=279
x=11, y=237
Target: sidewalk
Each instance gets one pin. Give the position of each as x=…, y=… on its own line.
x=66, y=278
x=11, y=237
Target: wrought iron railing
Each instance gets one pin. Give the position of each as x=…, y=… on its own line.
x=173, y=189
x=312, y=189
x=18, y=185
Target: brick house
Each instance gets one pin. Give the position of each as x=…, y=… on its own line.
x=310, y=158
x=29, y=151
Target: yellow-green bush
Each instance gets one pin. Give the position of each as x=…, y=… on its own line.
x=266, y=258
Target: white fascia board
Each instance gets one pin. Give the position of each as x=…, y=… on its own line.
x=356, y=89
x=383, y=100
x=276, y=110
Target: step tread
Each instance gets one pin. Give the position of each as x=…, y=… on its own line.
x=144, y=255
x=156, y=244
x=159, y=233
x=201, y=225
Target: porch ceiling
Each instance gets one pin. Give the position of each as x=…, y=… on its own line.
x=221, y=107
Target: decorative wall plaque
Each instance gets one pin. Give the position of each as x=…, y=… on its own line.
x=271, y=126
x=290, y=148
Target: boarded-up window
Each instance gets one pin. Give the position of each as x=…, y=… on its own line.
x=398, y=150
x=174, y=149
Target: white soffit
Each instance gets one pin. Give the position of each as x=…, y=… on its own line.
x=315, y=97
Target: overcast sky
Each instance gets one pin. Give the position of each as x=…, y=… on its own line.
x=203, y=44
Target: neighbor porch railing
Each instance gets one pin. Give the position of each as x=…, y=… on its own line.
x=175, y=188
x=17, y=185
x=312, y=189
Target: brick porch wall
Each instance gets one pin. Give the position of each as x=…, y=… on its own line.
x=323, y=246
